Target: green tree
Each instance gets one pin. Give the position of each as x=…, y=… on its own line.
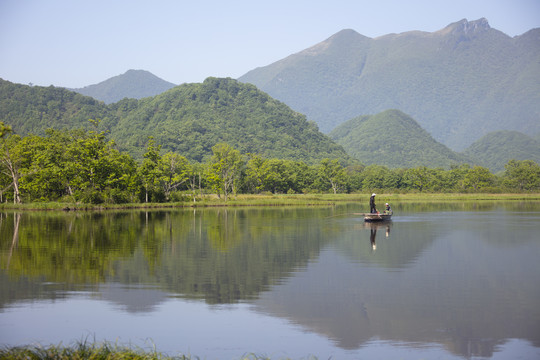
x=478, y=177
x=149, y=170
x=419, y=178
x=254, y=174
x=195, y=174
x=274, y=175
x=331, y=172
x=225, y=168
x=45, y=162
x=522, y=175
x=173, y=172
x=453, y=179
x=378, y=177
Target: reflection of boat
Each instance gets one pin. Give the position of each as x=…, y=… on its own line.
x=375, y=217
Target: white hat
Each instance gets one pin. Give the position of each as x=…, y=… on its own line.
x=386, y=204
x=373, y=194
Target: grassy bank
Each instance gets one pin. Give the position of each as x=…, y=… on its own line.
x=279, y=200
x=93, y=351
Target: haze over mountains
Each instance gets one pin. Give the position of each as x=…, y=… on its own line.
x=458, y=83
x=495, y=149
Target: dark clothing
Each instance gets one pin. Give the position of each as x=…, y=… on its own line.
x=373, y=209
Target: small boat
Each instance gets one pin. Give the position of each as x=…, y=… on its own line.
x=375, y=217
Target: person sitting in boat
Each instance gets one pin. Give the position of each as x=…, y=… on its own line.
x=373, y=208
x=387, y=209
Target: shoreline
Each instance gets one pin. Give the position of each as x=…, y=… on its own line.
x=276, y=200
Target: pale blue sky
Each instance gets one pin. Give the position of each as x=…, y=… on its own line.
x=76, y=43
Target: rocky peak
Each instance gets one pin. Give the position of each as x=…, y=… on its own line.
x=465, y=27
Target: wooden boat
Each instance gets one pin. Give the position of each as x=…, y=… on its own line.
x=375, y=217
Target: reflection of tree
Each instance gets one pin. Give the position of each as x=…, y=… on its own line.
x=225, y=231
x=228, y=255
x=68, y=248
x=16, y=222
x=221, y=255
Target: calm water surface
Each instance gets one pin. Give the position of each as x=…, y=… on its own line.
x=451, y=281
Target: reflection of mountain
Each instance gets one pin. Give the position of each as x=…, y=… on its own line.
x=462, y=291
x=132, y=299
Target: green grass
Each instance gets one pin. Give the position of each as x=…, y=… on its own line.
x=280, y=200
x=97, y=351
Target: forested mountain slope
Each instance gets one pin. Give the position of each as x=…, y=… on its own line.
x=188, y=119
x=393, y=139
x=459, y=83
x=134, y=84
x=495, y=149
x=33, y=109
x=191, y=118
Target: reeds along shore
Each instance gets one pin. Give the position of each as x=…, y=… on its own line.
x=280, y=200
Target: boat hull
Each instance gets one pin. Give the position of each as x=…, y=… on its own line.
x=376, y=217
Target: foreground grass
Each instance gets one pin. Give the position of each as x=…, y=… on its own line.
x=93, y=351
x=281, y=200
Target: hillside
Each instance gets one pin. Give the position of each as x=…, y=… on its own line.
x=134, y=84
x=495, y=149
x=393, y=139
x=33, y=109
x=189, y=119
x=459, y=83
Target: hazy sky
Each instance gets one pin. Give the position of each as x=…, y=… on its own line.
x=74, y=43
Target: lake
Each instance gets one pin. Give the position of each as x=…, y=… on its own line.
x=441, y=280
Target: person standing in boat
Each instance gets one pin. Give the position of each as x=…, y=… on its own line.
x=373, y=208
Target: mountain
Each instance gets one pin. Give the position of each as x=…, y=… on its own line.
x=134, y=84
x=189, y=119
x=495, y=149
x=459, y=83
x=393, y=139
x=34, y=109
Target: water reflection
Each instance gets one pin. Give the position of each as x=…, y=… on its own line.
x=221, y=256
x=435, y=275
x=454, y=288
x=373, y=227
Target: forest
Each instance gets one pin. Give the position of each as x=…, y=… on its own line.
x=188, y=119
x=84, y=166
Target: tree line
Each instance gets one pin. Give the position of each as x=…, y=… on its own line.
x=83, y=166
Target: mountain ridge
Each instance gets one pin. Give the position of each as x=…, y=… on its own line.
x=459, y=82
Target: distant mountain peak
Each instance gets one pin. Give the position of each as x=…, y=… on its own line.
x=467, y=27
x=135, y=84
x=344, y=37
x=458, y=83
